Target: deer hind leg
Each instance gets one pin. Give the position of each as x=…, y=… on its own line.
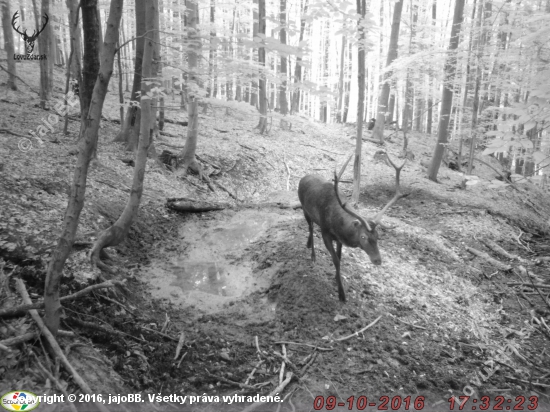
x=310, y=238
x=327, y=238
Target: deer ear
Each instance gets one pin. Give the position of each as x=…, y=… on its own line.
x=356, y=223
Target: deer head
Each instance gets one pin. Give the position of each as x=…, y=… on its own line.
x=29, y=40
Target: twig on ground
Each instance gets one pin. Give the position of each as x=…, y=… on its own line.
x=304, y=344
x=278, y=390
x=324, y=150
x=159, y=333
x=54, y=345
x=359, y=331
x=18, y=310
x=230, y=382
x=55, y=381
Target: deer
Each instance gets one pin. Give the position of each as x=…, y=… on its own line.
x=29, y=40
x=322, y=204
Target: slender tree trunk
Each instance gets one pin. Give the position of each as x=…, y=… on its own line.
x=391, y=108
x=120, y=80
x=194, y=51
x=76, y=39
x=254, y=85
x=118, y=231
x=8, y=41
x=340, y=113
x=129, y=133
x=447, y=94
x=90, y=68
x=44, y=43
x=295, y=108
x=283, y=101
x=67, y=85
x=262, y=125
x=378, y=132
x=87, y=146
x=211, y=90
x=361, y=10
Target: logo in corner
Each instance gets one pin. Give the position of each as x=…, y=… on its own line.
x=29, y=40
x=19, y=401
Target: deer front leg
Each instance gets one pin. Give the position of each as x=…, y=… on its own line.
x=310, y=238
x=327, y=238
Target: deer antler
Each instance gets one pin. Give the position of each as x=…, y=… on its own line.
x=43, y=26
x=15, y=16
x=398, y=194
x=343, y=205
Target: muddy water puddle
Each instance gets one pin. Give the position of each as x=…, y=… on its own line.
x=208, y=274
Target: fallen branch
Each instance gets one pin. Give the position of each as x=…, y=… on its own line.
x=304, y=344
x=54, y=380
x=160, y=333
x=193, y=206
x=54, y=345
x=170, y=145
x=104, y=329
x=499, y=250
x=491, y=167
x=226, y=190
x=496, y=263
x=534, y=285
x=4, y=130
x=20, y=310
x=18, y=78
x=30, y=336
x=230, y=382
x=324, y=150
x=359, y=331
x=376, y=142
x=410, y=324
x=278, y=390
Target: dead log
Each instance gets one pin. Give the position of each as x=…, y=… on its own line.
x=187, y=205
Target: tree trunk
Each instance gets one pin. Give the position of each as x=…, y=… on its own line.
x=87, y=146
x=44, y=48
x=188, y=152
x=361, y=10
x=118, y=231
x=378, y=132
x=283, y=101
x=262, y=125
x=129, y=133
x=447, y=94
x=391, y=108
x=298, y=67
x=120, y=80
x=90, y=69
x=254, y=84
x=211, y=90
x=8, y=42
x=76, y=40
x=340, y=113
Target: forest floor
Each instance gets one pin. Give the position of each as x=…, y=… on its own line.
x=209, y=298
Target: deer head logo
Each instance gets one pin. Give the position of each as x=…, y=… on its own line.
x=29, y=40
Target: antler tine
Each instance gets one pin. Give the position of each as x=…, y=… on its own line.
x=15, y=17
x=343, y=205
x=45, y=23
x=398, y=194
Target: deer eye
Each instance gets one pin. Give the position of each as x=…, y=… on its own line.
x=363, y=237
